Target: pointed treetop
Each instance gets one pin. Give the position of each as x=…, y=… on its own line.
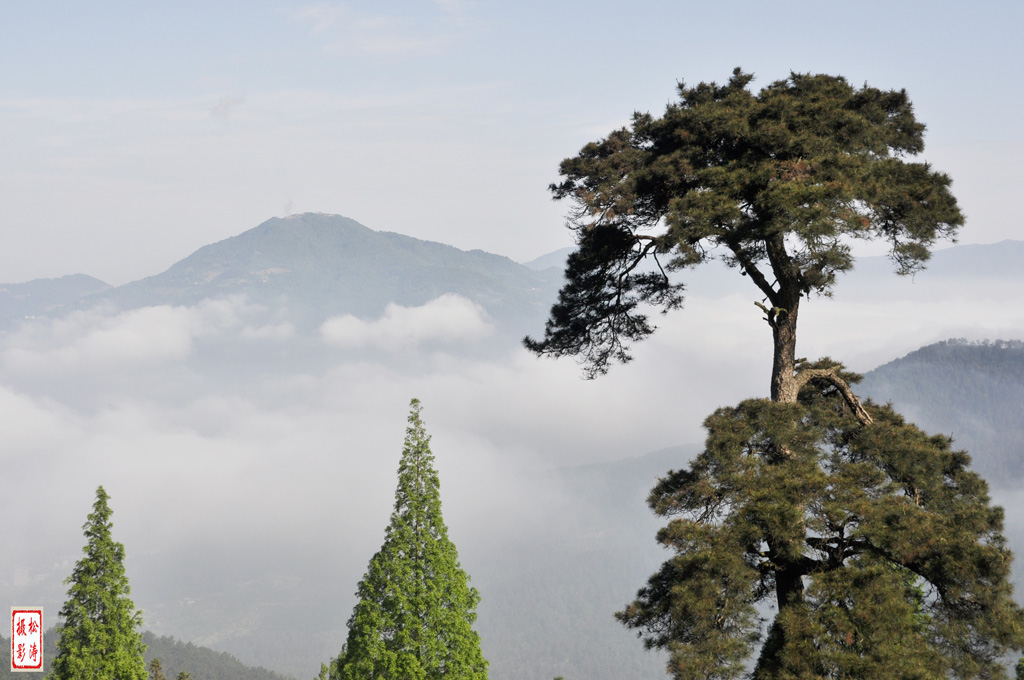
x=99, y=518
x=98, y=634
x=416, y=433
x=416, y=608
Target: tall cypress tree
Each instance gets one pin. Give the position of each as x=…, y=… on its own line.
x=98, y=638
x=416, y=607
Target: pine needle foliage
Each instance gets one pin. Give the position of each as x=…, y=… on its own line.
x=776, y=183
x=99, y=638
x=874, y=542
x=416, y=608
x=901, y=567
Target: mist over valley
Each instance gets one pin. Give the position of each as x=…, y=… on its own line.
x=245, y=409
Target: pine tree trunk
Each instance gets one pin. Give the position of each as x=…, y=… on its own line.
x=789, y=586
x=784, y=385
x=782, y=318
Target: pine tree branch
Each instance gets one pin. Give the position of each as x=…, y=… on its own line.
x=831, y=375
x=748, y=267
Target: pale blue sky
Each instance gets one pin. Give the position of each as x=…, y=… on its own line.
x=134, y=133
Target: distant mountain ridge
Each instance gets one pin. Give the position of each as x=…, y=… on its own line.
x=50, y=297
x=315, y=266
x=973, y=391
x=554, y=259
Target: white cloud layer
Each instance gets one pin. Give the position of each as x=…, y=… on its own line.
x=98, y=340
x=104, y=339
x=284, y=452
x=446, y=319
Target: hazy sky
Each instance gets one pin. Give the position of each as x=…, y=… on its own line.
x=134, y=133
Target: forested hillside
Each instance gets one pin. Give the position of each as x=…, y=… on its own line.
x=973, y=391
x=52, y=297
x=175, y=656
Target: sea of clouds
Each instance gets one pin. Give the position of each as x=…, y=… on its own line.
x=233, y=447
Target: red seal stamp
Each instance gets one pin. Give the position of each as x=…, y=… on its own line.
x=26, y=638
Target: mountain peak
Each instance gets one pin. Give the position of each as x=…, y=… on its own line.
x=311, y=220
x=315, y=265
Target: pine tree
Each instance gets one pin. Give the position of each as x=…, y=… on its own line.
x=416, y=608
x=888, y=538
x=879, y=548
x=98, y=638
x=156, y=670
x=776, y=183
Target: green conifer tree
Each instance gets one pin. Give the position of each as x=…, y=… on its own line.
x=156, y=670
x=890, y=540
x=98, y=638
x=880, y=549
x=416, y=608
